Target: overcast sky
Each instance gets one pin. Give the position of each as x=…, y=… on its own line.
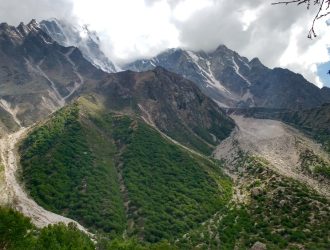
x=132, y=29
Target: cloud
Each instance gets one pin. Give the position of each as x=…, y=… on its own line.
x=16, y=11
x=275, y=34
x=132, y=29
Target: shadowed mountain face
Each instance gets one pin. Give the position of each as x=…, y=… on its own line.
x=67, y=34
x=173, y=104
x=234, y=81
x=37, y=75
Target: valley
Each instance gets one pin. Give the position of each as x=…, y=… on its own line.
x=190, y=150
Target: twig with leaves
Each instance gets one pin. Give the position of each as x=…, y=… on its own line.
x=322, y=5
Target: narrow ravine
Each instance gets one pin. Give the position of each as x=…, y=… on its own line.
x=148, y=119
x=75, y=70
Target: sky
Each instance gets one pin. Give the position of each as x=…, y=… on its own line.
x=133, y=29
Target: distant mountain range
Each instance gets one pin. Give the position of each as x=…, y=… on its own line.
x=234, y=81
x=228, y=78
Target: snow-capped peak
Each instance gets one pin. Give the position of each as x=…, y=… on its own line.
x=68, y=34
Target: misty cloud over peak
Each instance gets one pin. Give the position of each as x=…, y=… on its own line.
x=133, y=29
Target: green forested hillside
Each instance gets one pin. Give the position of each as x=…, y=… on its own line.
x=17, y=233
x=66, y=170
x=170, y=191
x=113, y=173
x=119, y=177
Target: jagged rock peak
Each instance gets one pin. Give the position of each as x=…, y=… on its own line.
x=256, y=62
x=21, y=30
x=222, y=47
x=33, y=24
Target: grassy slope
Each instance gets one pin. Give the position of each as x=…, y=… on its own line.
x=71, y=166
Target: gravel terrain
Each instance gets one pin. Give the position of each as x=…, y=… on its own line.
x=276, y=142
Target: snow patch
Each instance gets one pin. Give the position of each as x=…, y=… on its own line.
x=236, y=68
x=207, y=74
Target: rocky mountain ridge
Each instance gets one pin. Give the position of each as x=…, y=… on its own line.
x=37, y=75
x=234, y=81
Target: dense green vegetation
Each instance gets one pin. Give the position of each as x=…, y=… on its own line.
x=190, y=139
x=277, y=211
x=17, y=233
x=170, y=190
x=133, y=244
x=68, y=169
x=116, y=174
x=111, y=172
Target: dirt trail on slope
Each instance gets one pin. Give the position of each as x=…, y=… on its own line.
x=275, y=141
x=15, y=195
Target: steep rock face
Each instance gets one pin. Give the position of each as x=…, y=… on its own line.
x=234, y=81
x=37, y=75
x=87, y=41
x=171, y=103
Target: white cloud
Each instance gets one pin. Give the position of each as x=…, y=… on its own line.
x=16, y=11
x=185, y=9
x=134, y=29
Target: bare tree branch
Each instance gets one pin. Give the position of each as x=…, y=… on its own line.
x=322, y=5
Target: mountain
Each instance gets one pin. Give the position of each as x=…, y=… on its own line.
x=146, y=160
x=37, y=75
x=115, y=173
x=234, y=81
x=88, y=42
x=171, y=103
